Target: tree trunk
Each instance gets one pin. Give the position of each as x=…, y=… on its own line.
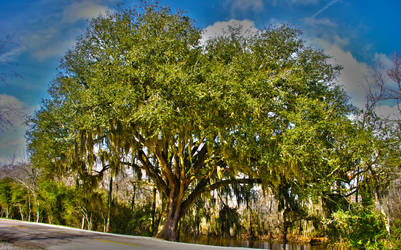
x=170, y=228
x=285, y=227
x=83, y=222
x=109, y=205
x=380, y=204
x=285, y=233
x=153, y=210
x=29, y=208
x=169, y=231
x=38, y=212
x=90, y=222
x=21, y=212
x=357, y=186
x=251, y=232
x=133, y=196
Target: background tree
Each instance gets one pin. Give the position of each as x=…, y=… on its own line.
x=386, y=88
x=6, y=197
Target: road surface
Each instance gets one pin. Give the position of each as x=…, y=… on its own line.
x=29, y=235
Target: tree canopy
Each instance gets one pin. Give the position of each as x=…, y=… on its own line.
x=141, y=90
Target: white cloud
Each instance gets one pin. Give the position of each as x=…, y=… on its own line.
x=303, y=2
x=393, y=113
x=295, y=2
x=246, y=28
x=328, y=5
x=383, y=60
x=383, y=64
x=388, y=108
x=83, y=10
x=12, y=137
x=10, y=56
x=355, y=74
x=357, y=77
x=12, y=140
x=51, y=35
x=11, y=111
x=13, y=145
x=50, y=41
x=322, y=21
x=244, y=6
x=51, y=48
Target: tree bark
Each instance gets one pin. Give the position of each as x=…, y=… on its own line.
x=285, y=227
x=251, y=232
x=153, y=210
x=133, y=196
x=29, y=208
x=285, y=233
x=174, y=214
x=83, y=222
x=38, y=212
x=109, y=204
x=21, y=214
x=169, y=231
x=177, y=206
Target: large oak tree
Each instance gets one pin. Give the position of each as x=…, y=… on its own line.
x=141, y=90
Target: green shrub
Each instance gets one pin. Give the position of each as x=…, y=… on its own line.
x=360, y=227
x=396, y=234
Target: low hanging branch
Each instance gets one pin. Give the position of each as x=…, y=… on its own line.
x=204, y=187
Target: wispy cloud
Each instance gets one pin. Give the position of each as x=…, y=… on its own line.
x=319, y=21
x=324, y=8
x=51, y=42
x=11, y=55
x=294, y=2
x=303, y=2
x=358, y=77
x=47, y=42
x=389, y=112
x=240, y=7
x=83, y=10
x=51, y=35
x=355, y=75
x=13, y=145
x=12, y=140
x=11, y=111
x=383, y=60
x=9, y=50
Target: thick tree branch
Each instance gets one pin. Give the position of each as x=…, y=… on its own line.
x=153, y=172
x=165, y=167
x=104, y=168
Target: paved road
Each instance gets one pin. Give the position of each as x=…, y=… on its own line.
x=41, y=236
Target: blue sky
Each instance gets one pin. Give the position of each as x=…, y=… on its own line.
x=356, y=34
